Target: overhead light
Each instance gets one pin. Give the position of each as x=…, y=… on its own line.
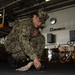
x=47, y=0
x=0, y=15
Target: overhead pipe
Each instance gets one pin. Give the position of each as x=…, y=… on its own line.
x=6, y=7
x=68, y=1
x=30, y=7
x=10, y=4
x=45, y=7
x=40, y=5
x=73, y=5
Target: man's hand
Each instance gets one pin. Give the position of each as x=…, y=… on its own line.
x=37, y=63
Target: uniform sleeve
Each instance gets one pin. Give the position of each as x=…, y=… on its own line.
x=41, y=45
x=25, y=42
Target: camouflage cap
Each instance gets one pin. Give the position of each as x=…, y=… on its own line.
x=43, y=16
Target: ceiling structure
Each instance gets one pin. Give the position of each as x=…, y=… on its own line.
x=18, y=9
x=12, y=10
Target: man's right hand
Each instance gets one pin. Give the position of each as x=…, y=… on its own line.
x=37, y=63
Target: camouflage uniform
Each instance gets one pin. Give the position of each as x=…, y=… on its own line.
x=20, y=42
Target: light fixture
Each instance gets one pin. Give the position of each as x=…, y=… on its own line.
x=47, y=0
x=53, y=21
x=0, y=15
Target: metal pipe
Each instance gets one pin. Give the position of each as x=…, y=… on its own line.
x=3, y=16
x=10, y=4
x=30, y=7
x=41, y=5
x=46, y=7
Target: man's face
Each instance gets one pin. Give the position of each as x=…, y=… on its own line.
x=36, y=21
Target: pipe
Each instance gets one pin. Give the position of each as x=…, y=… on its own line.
x=29, y=7
x=41, y=5
x=10, y=4
x=3, y=16
x=47, y=7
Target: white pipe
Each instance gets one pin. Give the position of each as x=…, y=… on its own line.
x=3, y=16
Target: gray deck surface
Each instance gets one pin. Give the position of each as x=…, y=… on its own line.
x=48, y=69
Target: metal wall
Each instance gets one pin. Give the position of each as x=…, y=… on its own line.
x=65, y=18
